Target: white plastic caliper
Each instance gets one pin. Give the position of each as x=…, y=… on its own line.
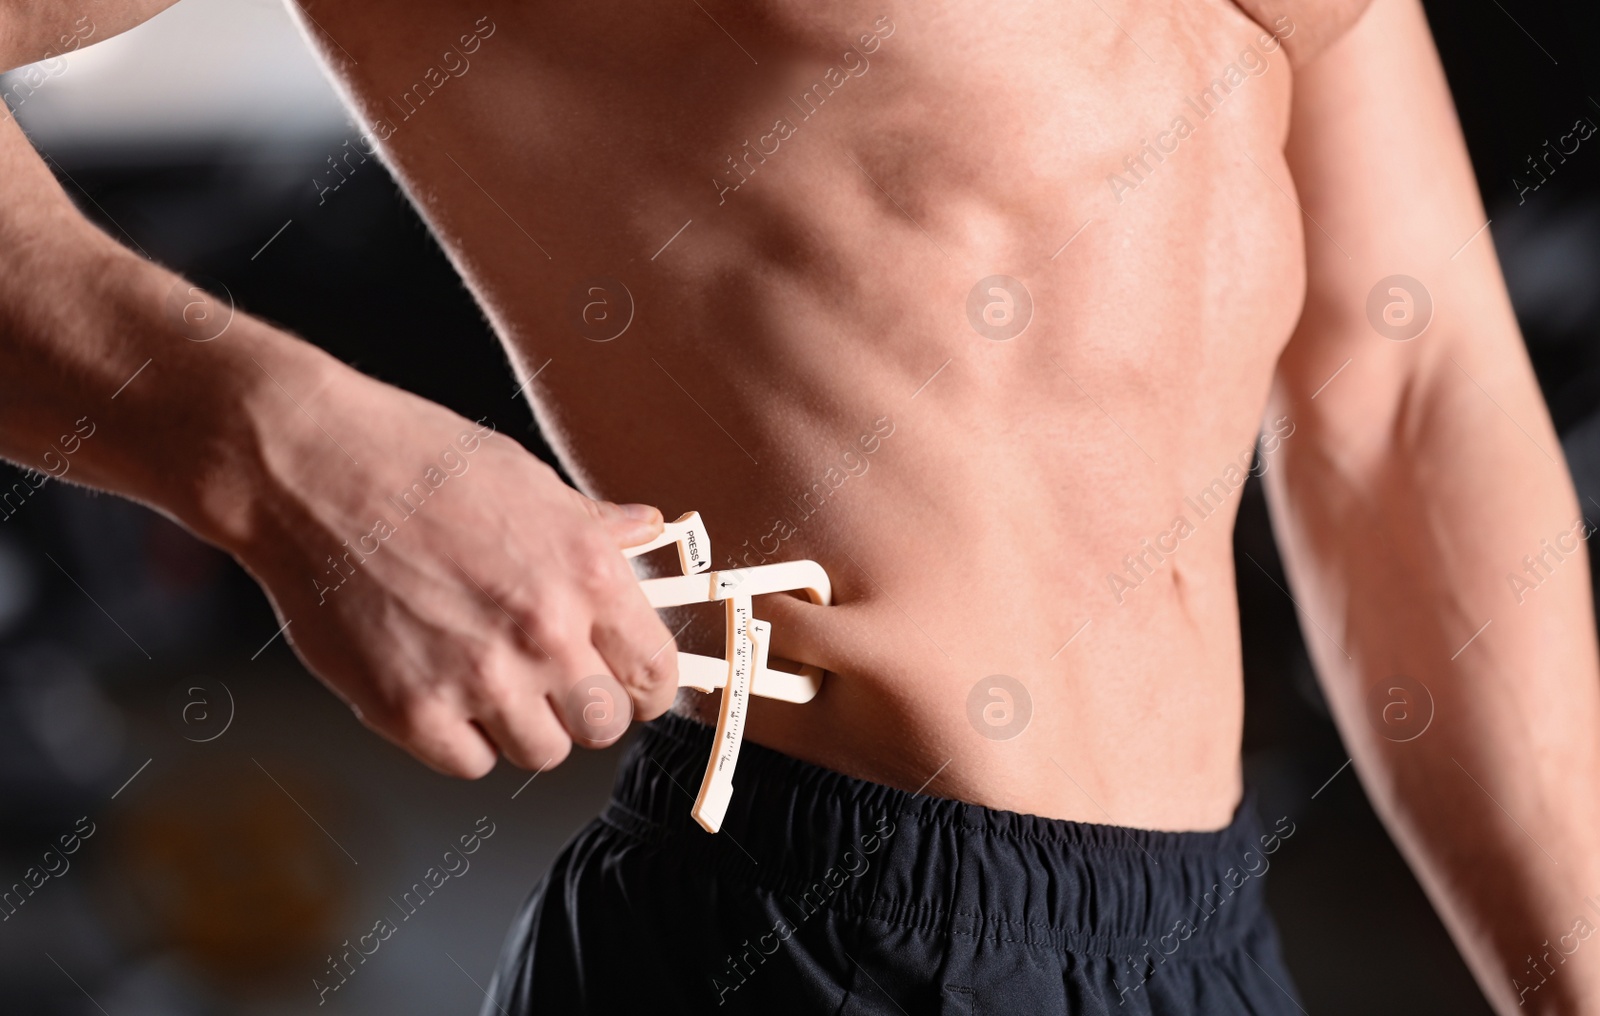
x=743, y=672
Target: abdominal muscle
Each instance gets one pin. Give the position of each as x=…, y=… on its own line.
x=978, y=650
x=1019, y=620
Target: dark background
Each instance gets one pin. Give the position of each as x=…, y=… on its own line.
x=221, y=876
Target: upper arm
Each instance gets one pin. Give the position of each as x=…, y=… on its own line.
x=1304, y=38
x=33, y=30
x=1383, y=177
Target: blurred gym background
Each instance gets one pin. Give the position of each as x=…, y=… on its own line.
x=241, y=825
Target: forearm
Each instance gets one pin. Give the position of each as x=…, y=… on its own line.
x=1402, y=523
x=102, y=379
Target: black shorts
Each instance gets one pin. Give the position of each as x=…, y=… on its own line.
x=826, y=894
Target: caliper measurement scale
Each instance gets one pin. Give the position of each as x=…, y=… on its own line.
x=743, y=671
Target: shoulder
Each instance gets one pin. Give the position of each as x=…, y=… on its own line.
x=1307, y=27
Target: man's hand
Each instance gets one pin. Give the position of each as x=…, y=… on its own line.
x=438, y=577
x=449, y=587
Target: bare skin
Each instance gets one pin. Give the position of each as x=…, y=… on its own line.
x=815, y=300
x=1007, y=505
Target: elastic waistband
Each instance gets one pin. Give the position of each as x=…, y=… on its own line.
x=825, y=840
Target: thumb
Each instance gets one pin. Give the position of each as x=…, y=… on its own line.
x=628, y=524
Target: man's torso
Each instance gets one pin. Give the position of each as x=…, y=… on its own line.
x=801, y=203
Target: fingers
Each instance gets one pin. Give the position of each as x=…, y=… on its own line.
x=502, y=692
x=440, y=737
x=596, y=710
x=528, y=733
x=606, y=658
x=638, y=649
x=628, y=525
x=536, y=730
x=585, y=666
x=603, y=657
x=632, y=644
x=505, y=712
x=617, y=632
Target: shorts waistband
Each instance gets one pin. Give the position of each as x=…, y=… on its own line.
x=823, y=839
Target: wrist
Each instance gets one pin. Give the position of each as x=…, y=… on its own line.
x=223, y=399
x=310, y=445
x=279, y=397
x=123, y=376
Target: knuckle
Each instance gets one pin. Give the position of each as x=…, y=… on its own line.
x=474, y=766
x=489, y=682
x=658, y=701
x=425, y=729
x=594, y=585
x=543, y=617
x=543, y=610
x=661, y=670
x=545, y=752
x=412, y=719
x=633, y=678
x=653, y=704
x=597, y=710
x=559, y=626
x=648, y=693
x=648, y=674
x=661, y=645
x=520, y=753
x=558, y=753
x=525, y=602
x=596, y=571
x=589, y=505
